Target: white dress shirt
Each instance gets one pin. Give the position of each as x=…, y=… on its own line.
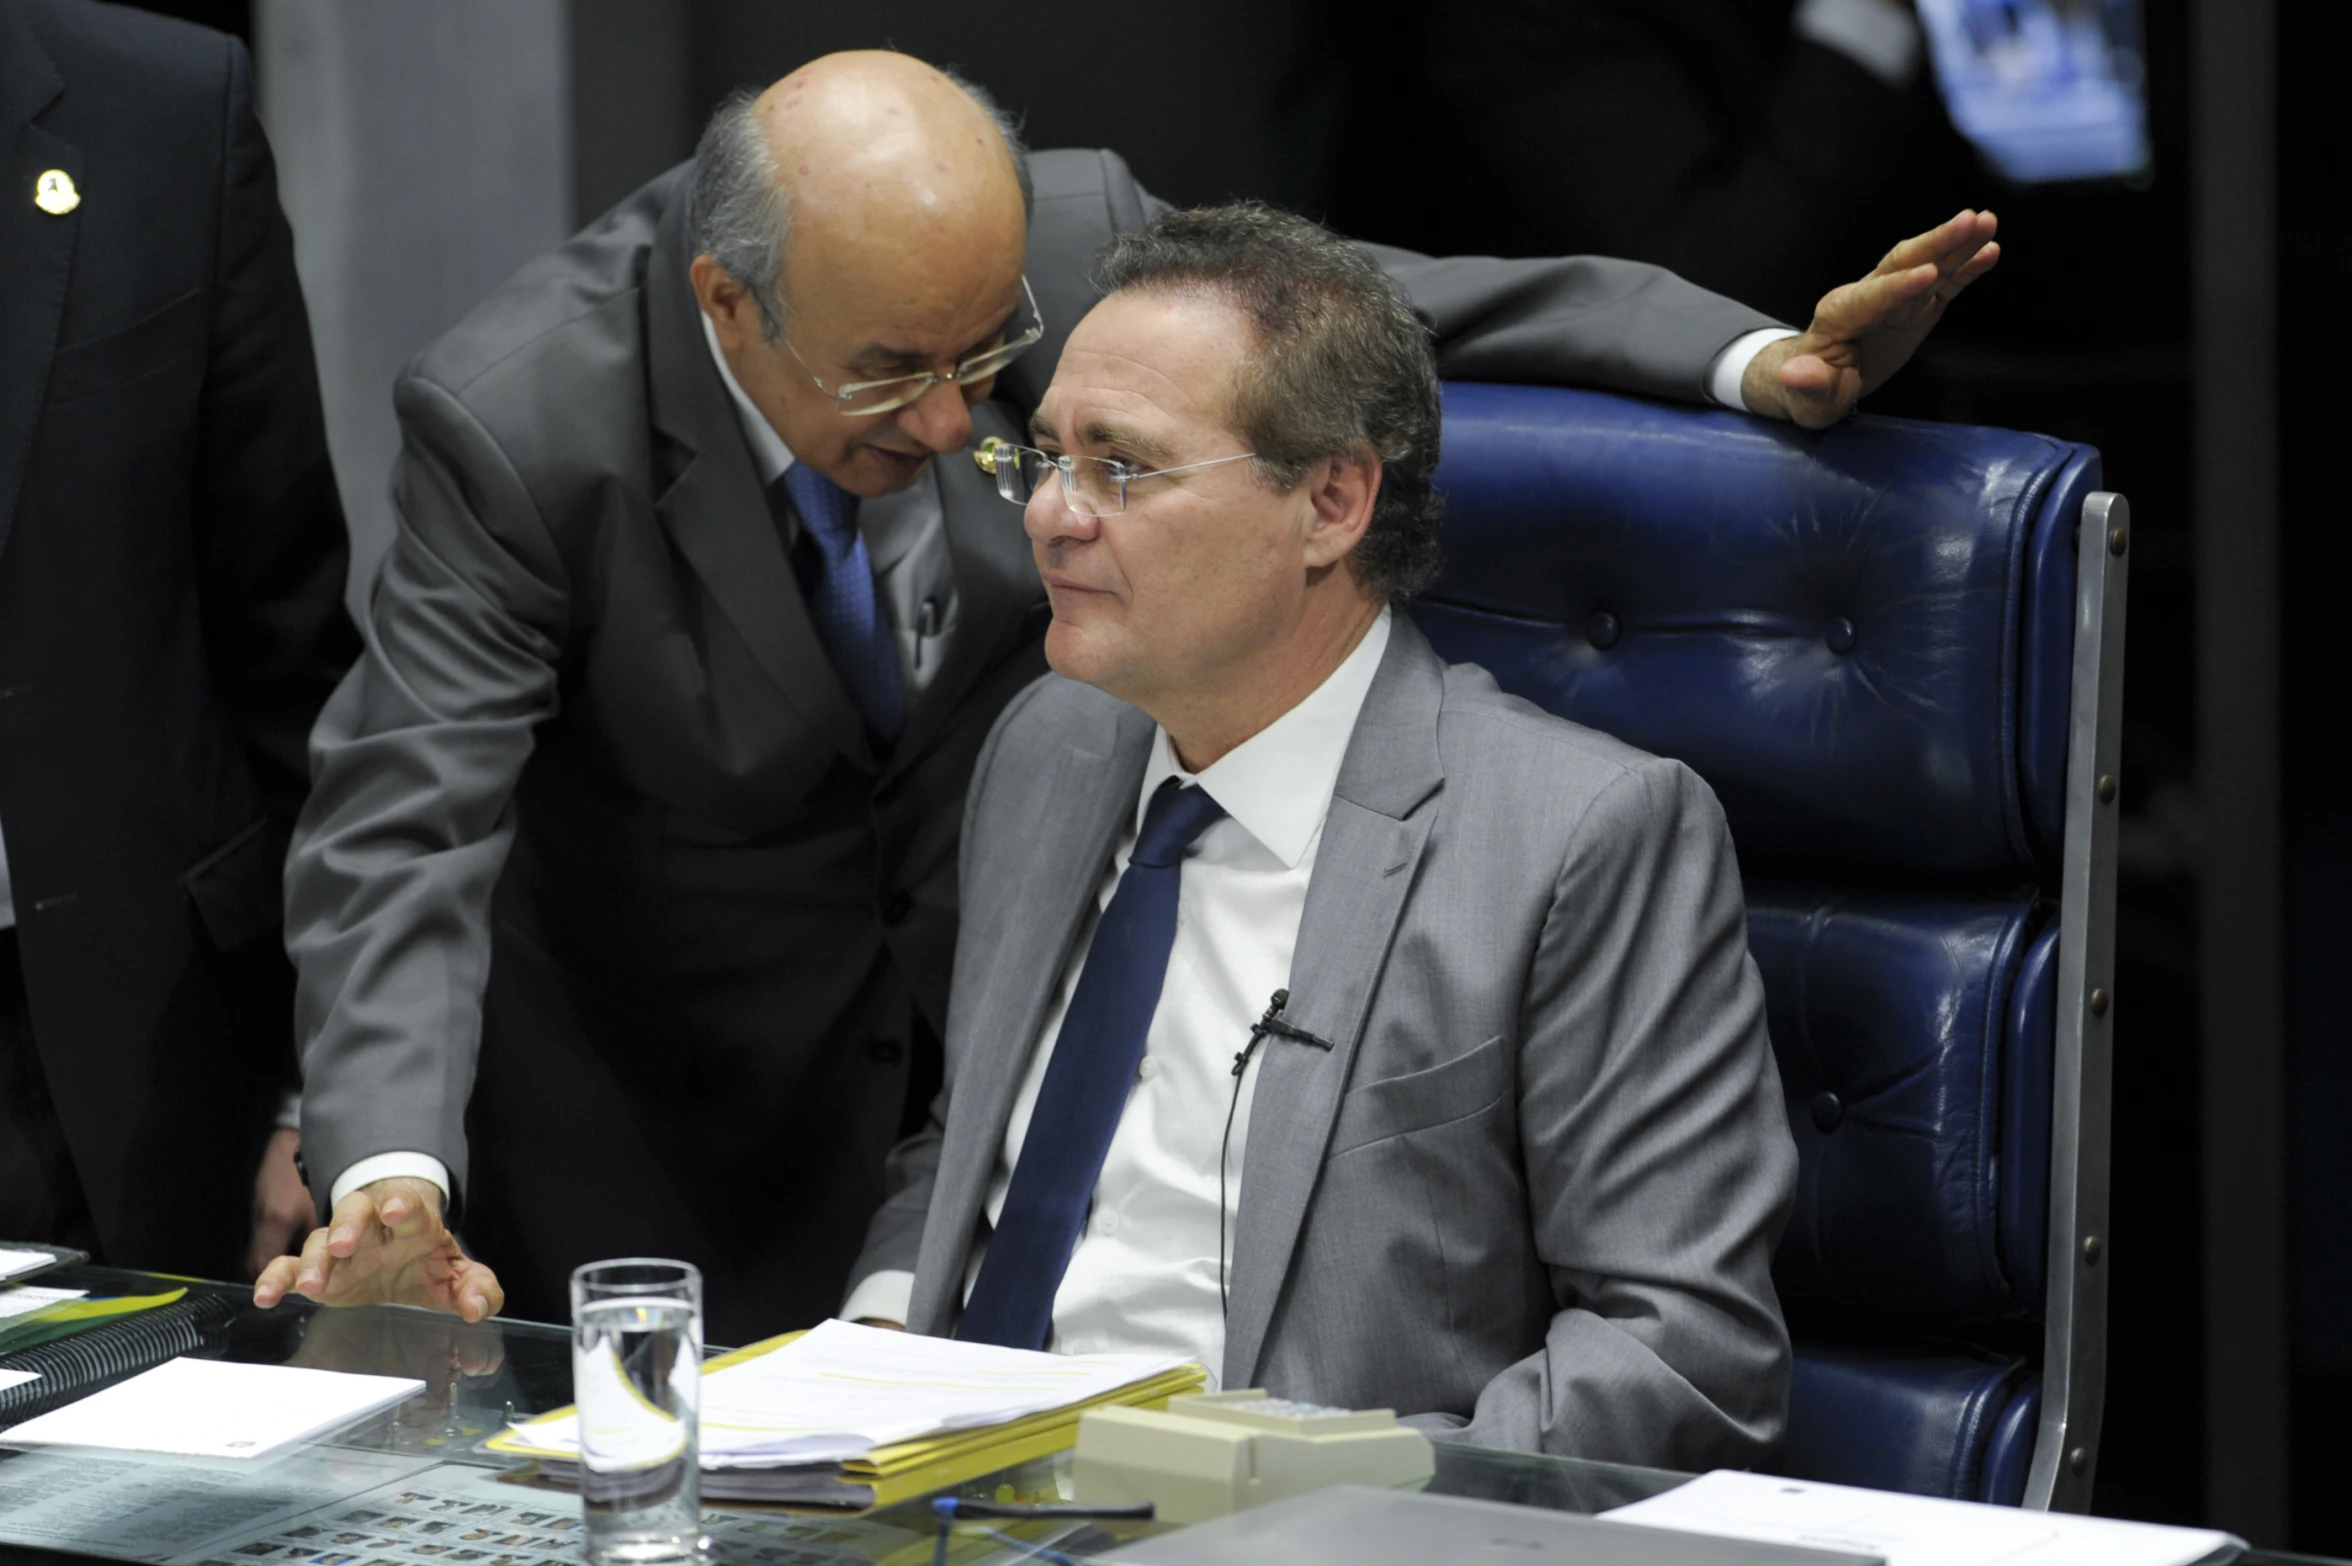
x=1145, y=1276
x=914, y=580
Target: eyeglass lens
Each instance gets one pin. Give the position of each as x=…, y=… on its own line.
x=1090, y=485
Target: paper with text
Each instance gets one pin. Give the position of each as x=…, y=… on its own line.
x=1911, y=1530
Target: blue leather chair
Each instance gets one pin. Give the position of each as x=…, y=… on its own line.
x=1895, y=651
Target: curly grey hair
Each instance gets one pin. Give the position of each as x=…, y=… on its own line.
x=1342, y=364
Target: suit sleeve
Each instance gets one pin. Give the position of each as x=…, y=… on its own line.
x=1659, y=1162
x=271, y=551
x=414, y=763
x=1575, y=321
x=894, y=1238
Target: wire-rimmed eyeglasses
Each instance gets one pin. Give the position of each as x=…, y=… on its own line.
x=1091, y=486
x=860, y=398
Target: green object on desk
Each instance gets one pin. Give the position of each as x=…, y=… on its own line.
x=67, y=1317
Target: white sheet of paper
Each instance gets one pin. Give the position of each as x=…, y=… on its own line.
x=209, y=1408
x=1911, y=1530
x=17, y=1378
x=842, y=1390
x=13, y=1262
x=26, y=1298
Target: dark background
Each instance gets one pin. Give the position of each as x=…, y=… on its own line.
x=2083, y=332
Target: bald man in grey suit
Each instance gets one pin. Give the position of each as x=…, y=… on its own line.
x=1505, y=1151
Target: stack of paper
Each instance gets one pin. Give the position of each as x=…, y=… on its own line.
x=1915, y=1530
x=209, y=1408
x=25, y=1299
x=14, y=1262
x=858, y=1416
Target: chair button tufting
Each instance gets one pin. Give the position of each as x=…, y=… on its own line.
x=1828, y=1112
x=1841, y=635
x=1602, y=630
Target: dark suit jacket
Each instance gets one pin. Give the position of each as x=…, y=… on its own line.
x=596, y=820
x=172, y=560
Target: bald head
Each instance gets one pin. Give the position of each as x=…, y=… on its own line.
x=866, y=163
x=862, y=224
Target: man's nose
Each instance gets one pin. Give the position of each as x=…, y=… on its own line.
x=1047, y=517
x=940, y=418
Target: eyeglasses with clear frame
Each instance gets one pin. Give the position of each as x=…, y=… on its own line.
x=860, y=399
x=1091, y=486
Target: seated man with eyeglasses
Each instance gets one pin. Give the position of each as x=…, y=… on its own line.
x=625, y=898
x=1322, y=1013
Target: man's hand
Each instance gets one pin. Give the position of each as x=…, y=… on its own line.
x=1866, y=331
x=386, y=1245
x=281, y=1202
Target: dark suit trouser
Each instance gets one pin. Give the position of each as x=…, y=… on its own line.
x=40, y=1194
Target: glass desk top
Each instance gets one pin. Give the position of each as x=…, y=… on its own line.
x=410, y=1487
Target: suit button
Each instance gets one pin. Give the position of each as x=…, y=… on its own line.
x=1602, y=630
x=1841, y=635
x=884, y=1052
x=1828, y=1113
x=895, y=911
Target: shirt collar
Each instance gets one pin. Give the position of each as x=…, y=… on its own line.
x=1278, y=783
x=769, y=454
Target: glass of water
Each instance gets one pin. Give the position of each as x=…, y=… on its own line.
x=637, y=1379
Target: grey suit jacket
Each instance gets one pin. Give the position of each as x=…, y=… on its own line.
x=601, y=895
x=1533, y=1192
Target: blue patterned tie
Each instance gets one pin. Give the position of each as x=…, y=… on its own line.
x=1086, y=1082
x=841, y=599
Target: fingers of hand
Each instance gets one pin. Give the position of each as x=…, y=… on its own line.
x=317, y=1263
x=276, y=1280
x=476, y=1290
x=353, y=1217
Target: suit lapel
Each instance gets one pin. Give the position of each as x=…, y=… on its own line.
x=1364, y=868
x=996, y=583
x=715, y=510
x=36, y=248
x=1067, y=828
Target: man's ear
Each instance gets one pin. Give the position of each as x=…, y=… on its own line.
x=1340, y=491
x=724, y=300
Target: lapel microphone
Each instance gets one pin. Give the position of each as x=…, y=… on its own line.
x=1273, y=1024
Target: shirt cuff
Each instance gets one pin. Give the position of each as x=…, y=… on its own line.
x=383, y=1166
x=881, y=1296
x=289, y=1112
x=1883, y=39
x=1731, y=365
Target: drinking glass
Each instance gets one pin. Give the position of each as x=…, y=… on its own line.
x=637, y=1379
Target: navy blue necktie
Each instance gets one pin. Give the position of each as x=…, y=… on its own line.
x=1086, y=1082
x=841, y=599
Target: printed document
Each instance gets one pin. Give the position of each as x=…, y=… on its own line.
x=1913, y=1530
x=13, y=1262
x=841, y=1390
x=209, y=1408
x=26, y=1298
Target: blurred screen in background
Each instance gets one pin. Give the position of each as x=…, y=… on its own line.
x=2046, y=89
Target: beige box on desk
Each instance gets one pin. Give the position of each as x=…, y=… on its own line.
x=1220, y=1452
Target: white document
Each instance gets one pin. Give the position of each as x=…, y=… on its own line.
x=17, y=1378
x=13, y=1262
x=209, y=1408
x=26, y=1298
x=842, y=1390
x=1912, y=1530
